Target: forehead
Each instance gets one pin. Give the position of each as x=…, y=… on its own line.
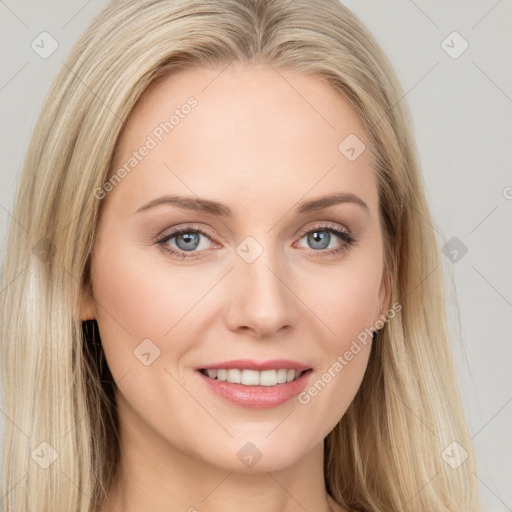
x=252, y=133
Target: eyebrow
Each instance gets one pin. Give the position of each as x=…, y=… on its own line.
x=221, y=210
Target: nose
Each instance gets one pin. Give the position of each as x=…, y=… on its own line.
x=261, y=301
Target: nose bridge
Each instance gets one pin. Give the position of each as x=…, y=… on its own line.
x=261, y=299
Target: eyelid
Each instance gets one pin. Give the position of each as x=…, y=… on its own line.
x=176, y=230
x=347, y=239
x=195, y=227
x=323, y=225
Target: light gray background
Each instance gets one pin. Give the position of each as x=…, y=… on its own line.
x=462, y=114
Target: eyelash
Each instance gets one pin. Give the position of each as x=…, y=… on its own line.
x=347, y=240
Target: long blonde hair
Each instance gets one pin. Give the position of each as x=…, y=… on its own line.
x=386, y=452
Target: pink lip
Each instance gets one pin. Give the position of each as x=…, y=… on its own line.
x=250, y=364
x=256, y=397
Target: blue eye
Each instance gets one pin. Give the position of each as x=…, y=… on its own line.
x=320, y=237
x=187, y=241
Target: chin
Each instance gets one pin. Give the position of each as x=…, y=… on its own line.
x=255, y=453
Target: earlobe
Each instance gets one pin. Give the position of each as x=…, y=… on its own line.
x=384, y=298
x=87, y=305
x=385, y=293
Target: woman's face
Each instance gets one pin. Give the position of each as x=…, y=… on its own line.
x=245, y=281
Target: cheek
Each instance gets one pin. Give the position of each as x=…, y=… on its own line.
x=336, y=382
x=346, y=300
x=139, y=300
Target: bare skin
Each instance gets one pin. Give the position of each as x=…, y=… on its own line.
x=260, y=147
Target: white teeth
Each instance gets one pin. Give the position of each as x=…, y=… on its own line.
x=281, y=376
x=268, y=378
x=235, y=376
x=250, y=377
x=254, y=377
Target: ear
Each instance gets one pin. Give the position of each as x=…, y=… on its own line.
x=87, y=304
x=385, y=292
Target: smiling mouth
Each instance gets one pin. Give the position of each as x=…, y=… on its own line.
x=248, y=377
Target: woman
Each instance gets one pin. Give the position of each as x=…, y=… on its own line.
x=222, y=294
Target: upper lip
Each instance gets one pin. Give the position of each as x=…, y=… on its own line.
x=251, y=364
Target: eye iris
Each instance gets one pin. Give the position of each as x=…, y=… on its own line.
x=324, y=240
x=191, y=240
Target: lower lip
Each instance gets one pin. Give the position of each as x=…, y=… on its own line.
x=257, y=397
